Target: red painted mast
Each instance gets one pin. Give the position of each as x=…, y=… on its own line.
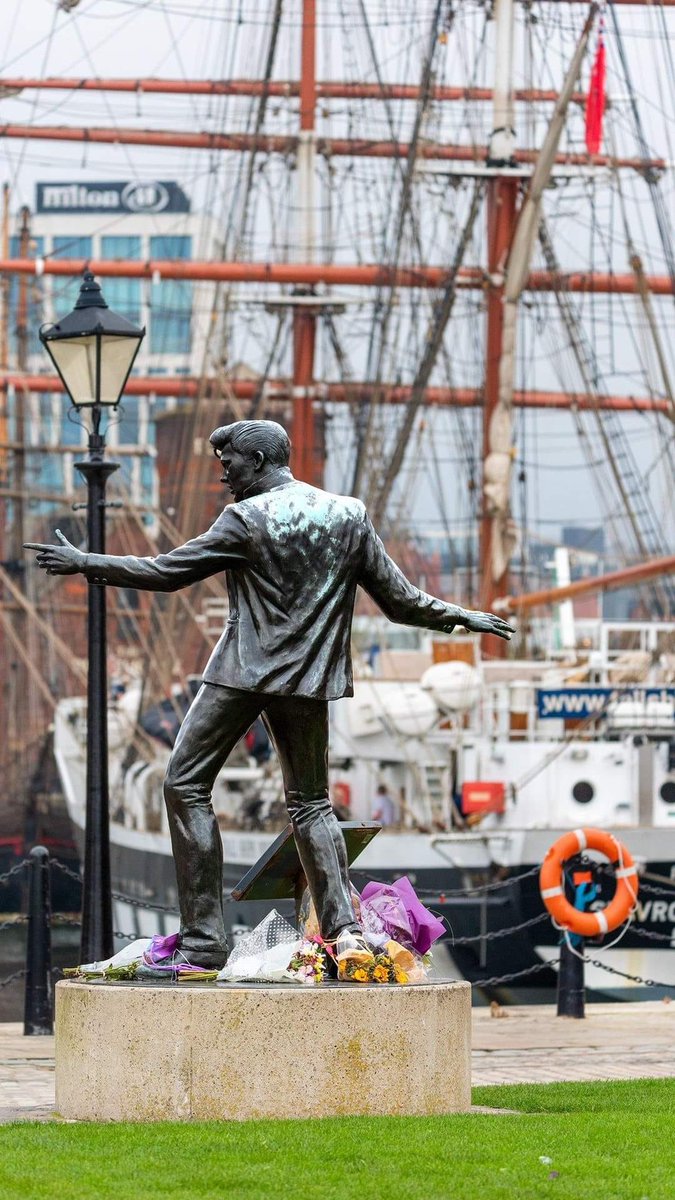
x=502, y=200
x=307, y=458
x=328, y=90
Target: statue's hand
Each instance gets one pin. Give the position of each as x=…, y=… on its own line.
x=481, y=622
x=65, y=559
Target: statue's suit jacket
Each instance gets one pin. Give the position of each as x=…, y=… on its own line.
x=293, y=556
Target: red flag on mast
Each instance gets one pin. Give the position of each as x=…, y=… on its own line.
x=595, y=103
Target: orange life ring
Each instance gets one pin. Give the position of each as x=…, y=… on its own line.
x=552, y=883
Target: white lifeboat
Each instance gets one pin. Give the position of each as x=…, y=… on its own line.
x=401, y=708
x=454, y=686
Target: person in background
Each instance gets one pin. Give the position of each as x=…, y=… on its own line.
x=382, y=808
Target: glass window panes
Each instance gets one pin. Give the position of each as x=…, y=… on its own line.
x=171, y=299
x=94, y=368
x=122, y=295
x=124, y=476
x=64, y=291
x=147, y=477
x=127, y=422
x=71, y=247
x=72, y=433
x=46, y=472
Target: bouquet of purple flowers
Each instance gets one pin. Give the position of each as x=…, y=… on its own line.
x=393, y=910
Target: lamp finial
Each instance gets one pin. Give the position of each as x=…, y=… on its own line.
x=90, y=295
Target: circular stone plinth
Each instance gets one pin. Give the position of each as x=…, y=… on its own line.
x=180, y=1052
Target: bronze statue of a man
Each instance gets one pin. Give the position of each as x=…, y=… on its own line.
x=293, y=557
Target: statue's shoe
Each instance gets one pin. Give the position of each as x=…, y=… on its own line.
x=209, y=960
x=180, y=966
x=352, y=952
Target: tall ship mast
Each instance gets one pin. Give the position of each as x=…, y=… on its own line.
x=433, y=242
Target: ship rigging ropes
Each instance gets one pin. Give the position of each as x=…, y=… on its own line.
x=552, y=883
x=405, y=213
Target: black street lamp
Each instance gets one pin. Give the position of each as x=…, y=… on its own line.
x=93, y=350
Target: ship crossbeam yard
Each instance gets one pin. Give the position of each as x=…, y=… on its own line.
x=280, y=391
x=333, y=274
x=326, y=147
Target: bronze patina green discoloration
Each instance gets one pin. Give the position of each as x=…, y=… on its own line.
x=293, y=556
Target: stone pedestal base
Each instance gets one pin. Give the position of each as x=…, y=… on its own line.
x=135, y=1052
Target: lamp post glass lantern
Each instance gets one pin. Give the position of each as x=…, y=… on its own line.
x=94, y=350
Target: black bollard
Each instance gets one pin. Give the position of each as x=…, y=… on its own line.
x=38, y=1018
x=571, y=990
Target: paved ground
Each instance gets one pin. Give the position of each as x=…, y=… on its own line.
x=510, y=1045
x=613, y=1041
x=26, y=1075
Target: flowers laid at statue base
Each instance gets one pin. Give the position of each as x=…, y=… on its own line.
x=394, y=910
x=308, y=964
x=397, y=927
x=146, y=958
x=115, y=973
x=262, y=955
x=394, y=964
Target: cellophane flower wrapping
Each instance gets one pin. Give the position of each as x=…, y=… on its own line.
x=384, y=917
x=263, y=955
x=126, y=957
x=392, y=963
x=160, y=953
x=308, y=922
x=396, y=910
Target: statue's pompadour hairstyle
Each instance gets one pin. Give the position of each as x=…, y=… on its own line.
x=249, y=436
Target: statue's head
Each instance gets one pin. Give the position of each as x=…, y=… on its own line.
x=248, y=450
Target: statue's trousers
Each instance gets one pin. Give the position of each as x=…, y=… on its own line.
x=217, y=719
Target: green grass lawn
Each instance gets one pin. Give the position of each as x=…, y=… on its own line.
x=606, y=1141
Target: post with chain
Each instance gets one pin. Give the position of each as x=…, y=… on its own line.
x=38, y=1010
x=571, y=987
x=571, y=984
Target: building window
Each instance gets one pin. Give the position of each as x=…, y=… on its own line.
x=147, y=478
x=71, y=247
x=127, y=422
x=171, y=300
x=122, y=295
x=72, y=431
x=125, y=478
x=64, y=293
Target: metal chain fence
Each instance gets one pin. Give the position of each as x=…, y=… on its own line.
x=439, y=896
x=15, y=870
x=10, y=978
x=597, y=962
x=494, y=980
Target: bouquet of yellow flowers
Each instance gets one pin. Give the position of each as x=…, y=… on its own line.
x=393, y=964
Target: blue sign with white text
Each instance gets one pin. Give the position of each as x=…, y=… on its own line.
x=570, y=703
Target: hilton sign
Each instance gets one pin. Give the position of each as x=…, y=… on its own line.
x=130, y=197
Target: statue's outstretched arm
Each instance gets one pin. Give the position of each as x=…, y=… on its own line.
x=401, y=601
x=221, y=546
